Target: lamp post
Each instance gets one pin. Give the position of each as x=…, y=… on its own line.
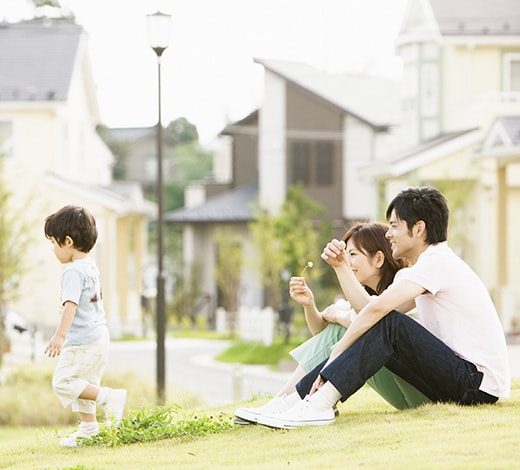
x=159, y=35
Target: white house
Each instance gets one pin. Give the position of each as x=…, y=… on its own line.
x=53, y=157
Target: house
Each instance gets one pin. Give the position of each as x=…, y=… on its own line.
x=53, y=157
x=460, y=112
x=139, y=162
x=313, y=128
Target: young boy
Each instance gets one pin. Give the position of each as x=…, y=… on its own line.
x=81, y=339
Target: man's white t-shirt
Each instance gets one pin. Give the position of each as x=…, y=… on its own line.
x=458, y=310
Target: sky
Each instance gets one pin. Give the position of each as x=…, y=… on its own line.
x=208, y=72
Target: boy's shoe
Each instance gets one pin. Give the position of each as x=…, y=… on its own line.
x=72, y=440
x=304, y=413
x=275, y=406
x=114, y=407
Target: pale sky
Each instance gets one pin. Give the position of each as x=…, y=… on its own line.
x=208, y=73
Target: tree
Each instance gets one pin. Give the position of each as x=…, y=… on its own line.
x=287, y=242
x=52, y=9
x=228, y=271
x=273, y=259
x=13, y=244
x=181, y=131
x=192, y=163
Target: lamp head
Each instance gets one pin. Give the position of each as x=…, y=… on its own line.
x=158, y=31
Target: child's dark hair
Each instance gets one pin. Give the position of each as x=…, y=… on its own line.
x=74, y=222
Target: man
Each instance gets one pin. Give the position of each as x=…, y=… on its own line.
x=455, y=353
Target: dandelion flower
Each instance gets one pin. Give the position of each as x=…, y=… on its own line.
x=308, y=265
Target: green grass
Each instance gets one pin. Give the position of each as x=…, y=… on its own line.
x=247, y=352
x=367, y=434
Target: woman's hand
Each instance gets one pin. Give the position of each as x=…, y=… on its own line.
x=300, y=292
x=334, y=253
x=335, y=314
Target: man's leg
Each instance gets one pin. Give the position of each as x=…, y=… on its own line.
x=402, y=344
x=396, y=341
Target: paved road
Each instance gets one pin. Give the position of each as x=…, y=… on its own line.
x=190, y=368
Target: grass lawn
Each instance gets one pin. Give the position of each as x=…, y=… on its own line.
x=368, y=434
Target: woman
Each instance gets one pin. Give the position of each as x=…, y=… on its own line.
x=372, y=270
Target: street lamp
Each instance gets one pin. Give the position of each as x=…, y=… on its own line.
x=158, y=36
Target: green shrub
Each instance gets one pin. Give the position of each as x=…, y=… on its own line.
x=158, y=424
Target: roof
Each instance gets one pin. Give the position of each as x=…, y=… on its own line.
x=37, y=60
x=512, y=127
x=236, y=205
x=122, y=198
x=422, y=154
x=251, y=120
x=501, y=142
x=374, y=100
x=477, y=17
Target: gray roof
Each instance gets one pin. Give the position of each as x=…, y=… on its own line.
x=236, y=205
x=37, y=60
x=512, y=127
x=372, y=99
x=429, y=150
x=477, y=17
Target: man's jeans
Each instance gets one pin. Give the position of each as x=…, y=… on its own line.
x=410, y=351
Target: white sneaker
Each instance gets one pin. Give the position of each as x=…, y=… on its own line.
x=304, y=413
x=275, y=406
x=114, y=407
x=72, y=440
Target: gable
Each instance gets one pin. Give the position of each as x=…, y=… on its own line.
x=37, y=60
x=371, y=99
x=419, y=23
x=425, y=154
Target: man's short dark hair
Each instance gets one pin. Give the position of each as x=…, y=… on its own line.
x=426, y=204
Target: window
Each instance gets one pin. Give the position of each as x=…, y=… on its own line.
x=313, y=162
x=429, y=90
x=511, y=72
x=301, y=159
x=6, y=139
x=324, y=162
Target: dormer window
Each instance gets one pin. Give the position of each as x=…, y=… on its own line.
x=511, y=72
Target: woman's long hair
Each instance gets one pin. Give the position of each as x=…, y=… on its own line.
x=369, y=238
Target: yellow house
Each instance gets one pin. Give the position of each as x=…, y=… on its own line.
x=53, y=157
x=460, y=113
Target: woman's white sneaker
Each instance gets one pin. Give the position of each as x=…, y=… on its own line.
x=275, y=406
